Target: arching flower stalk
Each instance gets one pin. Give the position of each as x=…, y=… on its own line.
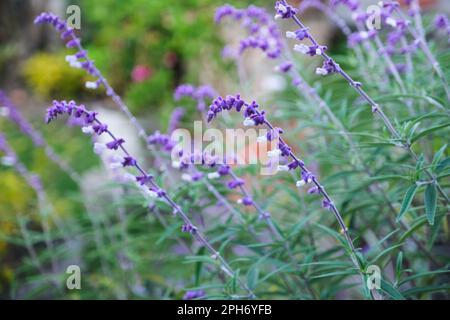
x=145, y=182
x=258, y=118
x=81, y=60
x=332, y=67
x=10, y=159
x=13, y=114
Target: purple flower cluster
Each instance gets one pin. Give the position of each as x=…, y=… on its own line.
x=175, y=119
x=441, y=22
x=79, y=59
x=284, y=11
x=143, y=181
x=262, y=31
x=199, y=94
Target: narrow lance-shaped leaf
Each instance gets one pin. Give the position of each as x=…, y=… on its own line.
x=409, y=196
x=430, y=202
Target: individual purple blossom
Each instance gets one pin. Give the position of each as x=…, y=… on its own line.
x=235, y=183
x=285, y=66
x=115, y=144
x=128, y=161
x=196, y=294
x=284, y=11
x=100, y=128
x=188, y=228
x=246, y=201
x=441, y=22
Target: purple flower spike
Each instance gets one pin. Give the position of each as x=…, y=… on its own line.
x=115, y=144
x=262, y=32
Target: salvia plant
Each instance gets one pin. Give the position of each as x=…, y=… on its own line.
x=356, y=205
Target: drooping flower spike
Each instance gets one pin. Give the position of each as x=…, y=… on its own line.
x=376, y=108
x=252, y=111
x=10, y=111
x=199, y=94
x=262, y=32
x=143, y=180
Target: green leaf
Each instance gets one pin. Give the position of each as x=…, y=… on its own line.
x=409, y=196
x=443, y=164
x=437, y=157
x=391, y=291
x=430, y=202
x=429, y=131
x=398, y=266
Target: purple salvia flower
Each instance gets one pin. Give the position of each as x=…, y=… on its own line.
x=262, y=32
x=441, y=22
x=188, y=228
x=284, y=11
x=151, y=188
x=235, y=183
x=175, y=118
x=285, y=67
x=246, y=201
x=128, y=161
x=191, y=295
x=100, y=128
x=115, y=144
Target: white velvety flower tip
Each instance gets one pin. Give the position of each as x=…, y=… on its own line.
x=91, y=84
x=99, y=147
x=248, y=122
x=274, y=153
x=87, y=130
x=186, y=177
x=301, y=48
x=391, y=22
x=290, y=35
x=261, y=139
x=149, y=193
x=282, y=168
x=8, y=161
x=176, y=164
x=4, y=112
x=321, y=71
x=213, y=175
x=300, y=183
x=75, y=64
x=71, y=58
x=128, y=177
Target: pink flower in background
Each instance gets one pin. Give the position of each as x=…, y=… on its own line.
x=141, y=73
